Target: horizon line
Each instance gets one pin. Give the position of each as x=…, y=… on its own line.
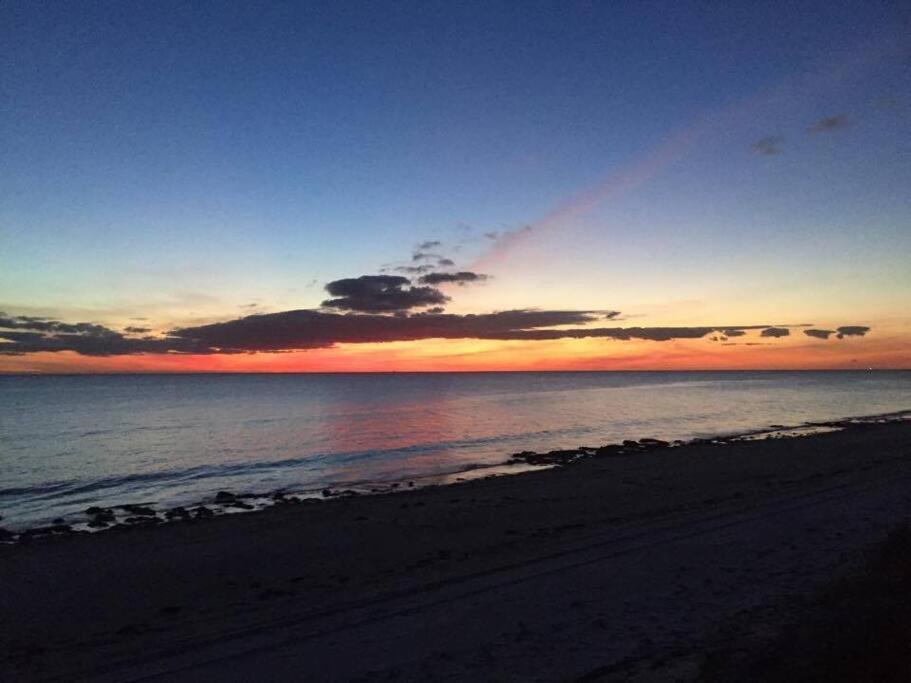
x=437, y=372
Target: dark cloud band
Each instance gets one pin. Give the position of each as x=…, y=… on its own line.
x=311, y=329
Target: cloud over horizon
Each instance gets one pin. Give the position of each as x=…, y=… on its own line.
x=819, y=334
x=364, y=309
x=310, y=329
x=851, y=331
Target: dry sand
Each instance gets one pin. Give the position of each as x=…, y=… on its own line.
x=614, y=568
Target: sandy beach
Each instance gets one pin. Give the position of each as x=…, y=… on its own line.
x=613, y=568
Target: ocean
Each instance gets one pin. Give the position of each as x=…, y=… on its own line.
x=69, y=442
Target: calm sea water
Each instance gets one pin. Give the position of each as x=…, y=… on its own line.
x=70, y=442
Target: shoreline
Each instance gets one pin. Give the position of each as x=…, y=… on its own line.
x=106, y=517
x=611, y=565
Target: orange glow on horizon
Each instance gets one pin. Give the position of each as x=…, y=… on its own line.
x=438, y=355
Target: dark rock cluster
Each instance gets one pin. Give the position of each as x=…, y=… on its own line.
x=565, y=457
x=329, y=493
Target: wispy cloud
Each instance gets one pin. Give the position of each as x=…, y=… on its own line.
x=768, y=146
x=830, y=123
x=412, y=270
x=460, y=278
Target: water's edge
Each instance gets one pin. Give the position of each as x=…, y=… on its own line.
x=124, y=516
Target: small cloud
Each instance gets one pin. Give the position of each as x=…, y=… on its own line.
x=460, y=278
x=830, y=123
x=423, y=256
x=414, y=270
x=819, y=334
x=137, y=330
x=445, y=262
x=768, y=146
x=851, y=331
x=775, y=332
x=429, y=244
x=491, y=235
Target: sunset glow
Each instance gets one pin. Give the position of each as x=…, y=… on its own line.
x=319, y=225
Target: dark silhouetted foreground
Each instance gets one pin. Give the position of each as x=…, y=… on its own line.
x=855, y=628
x=661, y=564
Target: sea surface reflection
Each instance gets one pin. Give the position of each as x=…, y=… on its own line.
x=69, y=442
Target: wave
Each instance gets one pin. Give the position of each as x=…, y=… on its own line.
x=65, y=488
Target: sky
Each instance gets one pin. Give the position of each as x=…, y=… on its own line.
x=229, y=187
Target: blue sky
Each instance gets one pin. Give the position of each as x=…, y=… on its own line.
x=179, y=161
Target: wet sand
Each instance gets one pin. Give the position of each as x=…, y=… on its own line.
x=618, y=567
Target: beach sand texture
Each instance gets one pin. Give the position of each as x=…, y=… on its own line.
x=613, y=568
